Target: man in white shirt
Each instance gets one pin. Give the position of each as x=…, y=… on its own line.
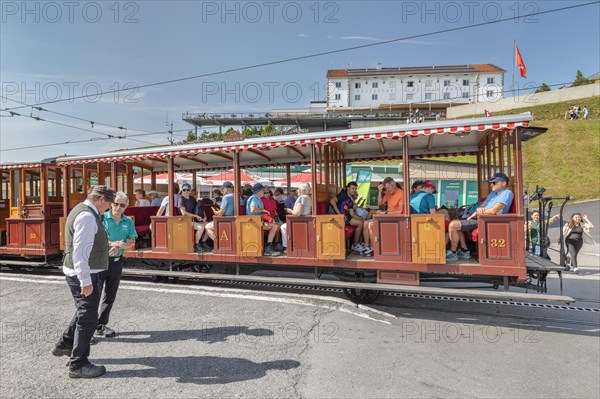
x=84, y=264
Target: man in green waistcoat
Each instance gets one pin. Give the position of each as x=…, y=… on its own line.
x=84, y=264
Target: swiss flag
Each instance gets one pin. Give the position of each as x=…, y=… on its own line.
x=520, y=63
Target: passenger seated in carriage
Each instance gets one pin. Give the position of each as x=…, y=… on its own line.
x=225, y=208
x=255, y=207
x=187, y=207
x=302, y=207
x=343, y=204
x=392, y=196
x=497, y=202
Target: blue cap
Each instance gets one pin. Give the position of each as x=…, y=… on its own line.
x=186, y=186
x=257, y=188
x=498, y=177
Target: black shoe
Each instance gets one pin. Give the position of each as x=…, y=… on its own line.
x=88, y=371
x=62, y=351
x=104, y=331
x=269, y=251
x=199, y=249
x=277, y=247
x=206, y=247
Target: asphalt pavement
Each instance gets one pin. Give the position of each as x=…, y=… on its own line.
x=182, y=341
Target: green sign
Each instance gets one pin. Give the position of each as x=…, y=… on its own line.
x=472, y=192
x=363, y=179
x=349, y=176
x=451, y=192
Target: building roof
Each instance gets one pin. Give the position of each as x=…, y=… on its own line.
x=339, y=73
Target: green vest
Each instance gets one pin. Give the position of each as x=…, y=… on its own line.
x=99, y=255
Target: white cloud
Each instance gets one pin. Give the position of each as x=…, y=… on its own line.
x=372, y=39
x=302, y=35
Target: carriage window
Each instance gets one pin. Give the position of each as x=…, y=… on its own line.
x=4, y=188
x=32, y=186
x=16, y=188
x=77, y=181
x=54, y=185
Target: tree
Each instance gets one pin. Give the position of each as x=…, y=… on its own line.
x=191, y=136
x=580, y=80
x=544, y=87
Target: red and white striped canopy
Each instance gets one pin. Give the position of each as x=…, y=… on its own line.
x=458, y=127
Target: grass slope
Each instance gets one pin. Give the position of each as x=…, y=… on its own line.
x=566, y=159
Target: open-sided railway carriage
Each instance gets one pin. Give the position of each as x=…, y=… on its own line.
x=409, y=249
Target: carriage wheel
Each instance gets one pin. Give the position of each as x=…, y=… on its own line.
x=360, y=296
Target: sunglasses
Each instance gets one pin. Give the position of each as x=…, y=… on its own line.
x=120, y=204
x=186, y=189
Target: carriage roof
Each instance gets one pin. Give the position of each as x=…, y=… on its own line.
x=428, y=139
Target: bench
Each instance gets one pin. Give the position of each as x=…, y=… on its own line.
x=141, y=216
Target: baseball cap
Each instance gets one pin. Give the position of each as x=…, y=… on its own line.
x=257, y=188
x=498, y=177
x=152, y=192
x=428, y=183
x=227, y=184
x=186, y=186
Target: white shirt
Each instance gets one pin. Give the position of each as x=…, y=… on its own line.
x=165, y=203
x=85, y=229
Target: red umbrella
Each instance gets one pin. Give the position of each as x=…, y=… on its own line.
x=302, y=177
x=219, y=179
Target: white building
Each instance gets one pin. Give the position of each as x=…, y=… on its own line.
x=380, y=87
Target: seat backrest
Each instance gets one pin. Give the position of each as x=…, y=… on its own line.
x=242, y=210
x=208, y=212
x=141, y=214
x=322, y=208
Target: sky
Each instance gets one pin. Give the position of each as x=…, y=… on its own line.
x=51, y=51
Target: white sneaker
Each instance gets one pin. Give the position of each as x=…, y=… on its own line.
x=358, y=248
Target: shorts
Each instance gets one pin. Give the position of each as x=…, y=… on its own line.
x=197, y=225
x=210, y=225
x=468, y=225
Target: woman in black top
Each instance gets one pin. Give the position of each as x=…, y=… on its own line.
x=575, y=232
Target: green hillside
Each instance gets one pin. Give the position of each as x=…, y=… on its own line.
x=566, y=159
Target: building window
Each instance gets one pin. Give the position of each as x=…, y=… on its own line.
x=410, y=96
x=357, y=85
x=428, y=83
x=490, y=81
x=338, y=85
x=374, y=97
x=338, y=96
x=489, y=93
x=446, y=83
x=427, y=96
x=446, y=96
x=374, y=85
x=465, y=82
x=357, y=97
x=393, y=84
x=465, y=94
x=392, y=96
x=410, y=83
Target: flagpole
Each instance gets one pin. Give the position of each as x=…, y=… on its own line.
x=513, y=65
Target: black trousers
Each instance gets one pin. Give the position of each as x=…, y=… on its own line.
x=111, y=286
x=83, y=324
x=573, y=248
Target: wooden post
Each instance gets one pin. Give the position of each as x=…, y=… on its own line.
x=194, y=182
x=171, y=192
x=326, y=162
x=129, y=188
x=288, y=177
x=518, y=193
x=84, y=179
x=406, y=175
x=114, y=175
x=100, y=171
x=43, y=183
x=152, y=180
x=313, y=165
x=67, y=189
x=237, y=183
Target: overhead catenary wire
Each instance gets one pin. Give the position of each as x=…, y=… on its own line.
x=319, y=54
